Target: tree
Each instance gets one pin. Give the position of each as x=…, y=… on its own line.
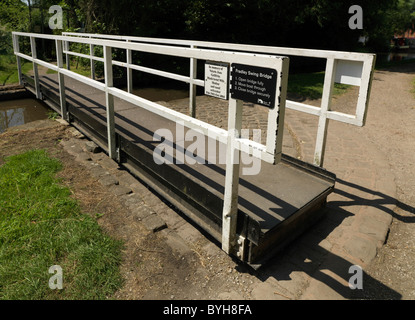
x=13, y=15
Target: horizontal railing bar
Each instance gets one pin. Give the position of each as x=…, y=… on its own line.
x=326, y=54
x=338, y=116
x=161, y=73
x=342, y=117
x=83, y=55
x=333, y=115
x=205, y=128
x=93, y=83
x=37, y=61
x=71, y=74
x=130, y=38
x=46, y=64
x=190, y=122
x=140, y=68
x=153, y=71
x=260, y=60
x=24, y=56
x=306, y=108
x=253, y=148
x=312, y=53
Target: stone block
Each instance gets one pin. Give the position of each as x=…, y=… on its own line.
x=154, y=223
x=108, y=180
x=361, y=248
x=92, y=147
x=120, y=190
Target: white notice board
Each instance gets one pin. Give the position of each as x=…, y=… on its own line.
x=217, y=79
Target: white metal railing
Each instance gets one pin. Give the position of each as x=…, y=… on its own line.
x=270, y=152
x=341, y=67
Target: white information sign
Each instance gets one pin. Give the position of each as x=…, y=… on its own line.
x=217, y=80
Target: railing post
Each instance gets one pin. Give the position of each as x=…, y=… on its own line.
x=230, y=203
x=325, y=106
x=192, y=86
x=67, y=57
x=91, y=53
x=109, y=99
x=61, y=78
x=35, y=69
x=364, y=90
x=16, y=48
x=129, y=70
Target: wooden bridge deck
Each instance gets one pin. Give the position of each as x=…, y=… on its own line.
x=279, y=202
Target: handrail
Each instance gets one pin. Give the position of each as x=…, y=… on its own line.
x=341, y=67
x=313, y=53
x=270, y=152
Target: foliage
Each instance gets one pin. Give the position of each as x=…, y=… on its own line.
x=14, y=15
x=315, y=24
x=296, y=23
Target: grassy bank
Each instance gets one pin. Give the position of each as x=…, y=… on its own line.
x=42, y=226
x=9, y=74
x=8, y=69
x=310, y=85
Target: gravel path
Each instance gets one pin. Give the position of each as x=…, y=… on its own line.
x=391, y=128
x=363, y=159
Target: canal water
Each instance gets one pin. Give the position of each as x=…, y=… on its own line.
x=21, y=111
x=17, y=112
x=395, y=56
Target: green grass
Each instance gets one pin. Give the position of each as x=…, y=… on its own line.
x=82, y=70
x=9, y=74
x=79, y=69
x=8, y=69
x=41, y=226
x=52, y=115
x=310, y=85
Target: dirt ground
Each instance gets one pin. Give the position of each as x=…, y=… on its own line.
x=153, y=270
x=391, y=127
